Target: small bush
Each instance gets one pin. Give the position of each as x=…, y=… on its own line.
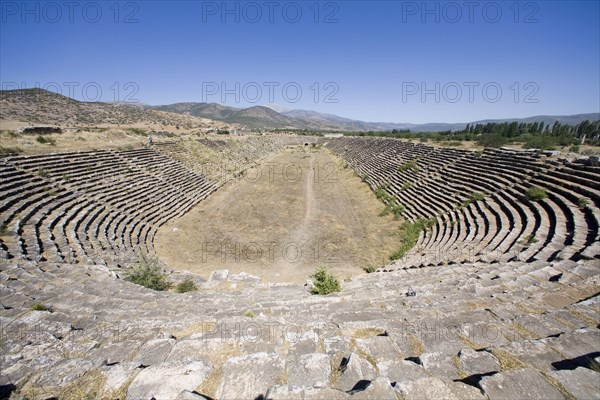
x=492, y=140
x=410, y=232
x=406, y=186
x=4, y=151
x=42, y=172
x=535, y=193
x=478, y=154
x=187, y=285
x=39, y=307
x=407, y=166
x=44, y=140
x=540, y=142
x=582, y=203
x=146, y=272
x=324, y=282
x=370, y=269
x=574, y=149
x=473, y=197
x=10, y=134
x=249, y=314
x=137, y=131
x=4, y=229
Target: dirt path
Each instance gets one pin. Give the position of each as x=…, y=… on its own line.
x=296, y=210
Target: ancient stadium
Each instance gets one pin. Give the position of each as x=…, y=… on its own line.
x=463, y=274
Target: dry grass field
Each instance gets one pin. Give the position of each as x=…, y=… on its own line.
x=291, y=213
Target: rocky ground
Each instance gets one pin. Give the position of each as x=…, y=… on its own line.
x=471, y=331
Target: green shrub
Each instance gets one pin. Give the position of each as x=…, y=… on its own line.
x=10, y=134
x=407, y=166
x=535, y=193
x=39, y=307
x=530, y=239
x=137, y=131
x=146, y=272
x=44, y=140
x=582, y=203
x=540, y=142
x=187, y=285
x=491, y=140
x=406, y=186
x=4, y=229
x=249, y=314
x=409, y=233
x=574, y=148
x=4, y=151
x=42, y=172
x=473, y=197
x=391, y=203
x=478, y=154
x=369, y=269
x=324, y=282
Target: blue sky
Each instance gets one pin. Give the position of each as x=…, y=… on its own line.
x=399, y=61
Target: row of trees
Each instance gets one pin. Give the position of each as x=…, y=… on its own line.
x=537, y=135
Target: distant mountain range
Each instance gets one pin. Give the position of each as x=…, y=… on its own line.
x=274, y=116
x=41, y=106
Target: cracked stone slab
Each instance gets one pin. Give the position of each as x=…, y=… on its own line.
x=425, y=388
x=165, y=381
x=478, y=362
x=310, y=370
x=249, y=376
x=354, y=369
x=583, y=383
x=290, y=392
x=519, y=384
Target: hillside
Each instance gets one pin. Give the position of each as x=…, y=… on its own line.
x=41, y=106
x=37, y=106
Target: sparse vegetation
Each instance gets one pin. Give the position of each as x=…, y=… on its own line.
x=137, y=131
x=10, y=134
x=582, y=203
x=391, y=203
x=407, y=166
x=536, y=193
x=410, y=232
x=42, y=173
x=4, y=151
x=45, y=140
x=369, y=269
x=4, y=229
x=473, y=197
x=492, y=140
x=324, y=282
x=249, y=314
x=187, y=285
x=530, y=239
x=406, y=186
x=147, y=273
x=39, y=307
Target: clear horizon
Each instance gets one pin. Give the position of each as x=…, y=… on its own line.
x=383, y=61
